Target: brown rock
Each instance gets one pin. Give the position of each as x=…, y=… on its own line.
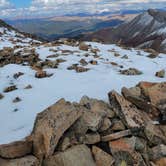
x=154, y=134
x=42, y=74
x=83, y=62
x=153, y=55
x=16, y=100
x=161, y=162
x=16, y=149
x=28, y=87
x=83, y=46
x=17, y=75
x=91, y=138
x=1, y=96
x=158, y=152
x=105, y=125
x=129, y=114
x=134, y=96
x=118, y=126
x=10, y=88
x=116, y=54
x=130, y=71
x=160, y=74
x=123, y=151
x=51, y=124
x=116, y=135
x=79, y=155
x=97, y=106
x=93, y=62
x=24, y=161
x=80, y=69
x=92, y=120
x=157, y=93
x=102, y=158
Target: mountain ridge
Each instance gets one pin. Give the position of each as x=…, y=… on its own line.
x=147, y=30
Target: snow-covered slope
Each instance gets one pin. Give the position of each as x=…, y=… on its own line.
x=10, y=37
x=146, y=30
x=18, y=108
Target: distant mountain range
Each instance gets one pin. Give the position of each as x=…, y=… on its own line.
x=147, y=30
x=70, y=26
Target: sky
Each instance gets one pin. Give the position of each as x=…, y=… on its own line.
x=42, y=8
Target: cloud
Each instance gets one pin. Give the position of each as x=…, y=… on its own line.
x=5, y=4
x=60, y=7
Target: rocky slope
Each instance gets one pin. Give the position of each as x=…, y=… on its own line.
x=126, y=130
x=94, y=133
x=147, y=30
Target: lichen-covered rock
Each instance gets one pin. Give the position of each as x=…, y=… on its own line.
x=51, y=124
x=24, y=161
x=79, y=155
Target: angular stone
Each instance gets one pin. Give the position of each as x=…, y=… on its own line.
x=91, y=138
x=123, y=151
x=131, y=71
x=158, y=152
x=102, y=158
x=16, y=149
x=129, y=114
x=116, y=135
x=50, y=126
x=79, y=155
x=10, y=88
x=105, y=125
x=92, y=120
x=83, y=46
x=157, y=93
x=93, y=62
x=154, y=135
x=24, y=161
x=133, y=95
x=97, y=106
x=118, y=126
x=161, y=162
x=160, y=73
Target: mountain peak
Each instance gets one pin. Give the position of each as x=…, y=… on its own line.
x=158, y=15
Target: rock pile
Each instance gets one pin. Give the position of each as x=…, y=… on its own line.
x=128, y=131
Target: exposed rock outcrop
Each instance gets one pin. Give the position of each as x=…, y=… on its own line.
x=95, y=133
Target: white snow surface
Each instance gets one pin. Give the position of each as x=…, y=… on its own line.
x=68, y=84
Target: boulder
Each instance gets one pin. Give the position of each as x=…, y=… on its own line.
x=83, y=62
x=135, y=97
x=10, y=88
x=16, y=149
x=105, y=125
x=83, y=46
x=97, y=106
x=101, y=157
x=131, y=71
x=161, y=162
x=118, y=126
x=42, y=74
x=91, y=138
x=80, y=69
x=51, y=124
x=1, y=96
x=154, y=135
x=24, y=161
x=129, y=114
x=157, y=152
x=79, y=155
x=123, y=151
x=93, y=62
x=160, y=73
